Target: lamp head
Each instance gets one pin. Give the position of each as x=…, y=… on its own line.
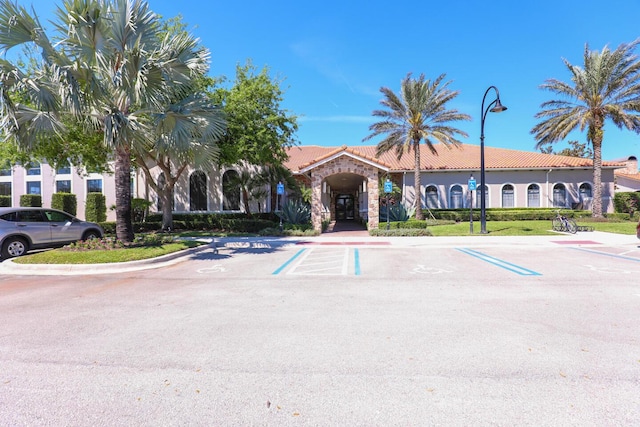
x=498, y=108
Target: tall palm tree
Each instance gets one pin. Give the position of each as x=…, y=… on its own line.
x=606, y=87
x=109, y=67
x=419, y=114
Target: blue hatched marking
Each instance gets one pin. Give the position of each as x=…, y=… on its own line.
x=500, y=263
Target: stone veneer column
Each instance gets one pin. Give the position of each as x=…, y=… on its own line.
x=316, y=201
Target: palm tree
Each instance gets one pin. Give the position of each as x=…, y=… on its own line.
x=608, y=87
x=109, y=67
x=418, y=114
x=186, y=133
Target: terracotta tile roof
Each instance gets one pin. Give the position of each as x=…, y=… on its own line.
x=631, y=176
x=464, y=157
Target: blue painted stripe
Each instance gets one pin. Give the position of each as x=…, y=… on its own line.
x=500, y=263
x=629, y=258
x=283, y=266
x=357, y=261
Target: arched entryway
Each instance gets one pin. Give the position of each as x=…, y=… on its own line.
x=344, y=185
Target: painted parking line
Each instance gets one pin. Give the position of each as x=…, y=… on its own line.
x=321, y=263
x=289, y=261
x=500, y=263
x=619, y=256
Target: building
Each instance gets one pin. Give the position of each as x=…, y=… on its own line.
x=345, y=182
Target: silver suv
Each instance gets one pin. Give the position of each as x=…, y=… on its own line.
x=23, y=229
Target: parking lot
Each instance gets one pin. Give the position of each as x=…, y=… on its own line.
x=413, y=331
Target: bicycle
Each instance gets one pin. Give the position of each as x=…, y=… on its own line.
x=562, y=223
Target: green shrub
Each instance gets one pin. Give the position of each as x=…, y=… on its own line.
x=139, y=209
x=397, y=213
x=31, y=200
x=626, y=202
x=96, y=208
x=65, y=202
x=5, y=201
x=404, y=232
x=295, y=212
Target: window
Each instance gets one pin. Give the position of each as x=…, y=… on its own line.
x=508, y=200
x=585, y=192
x=5, y=189
x=432, y=197
x=64, y=169
x=559, y=196
x=5, y=170
x=63, y=186
x=479, y=197
x=34, y=187
x=456, y=197
x=230, y=191
x=33, y=169
x=533, y=196
x=198, y=191
x=94, y=186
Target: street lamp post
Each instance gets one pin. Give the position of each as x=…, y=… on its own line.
x=494, y=106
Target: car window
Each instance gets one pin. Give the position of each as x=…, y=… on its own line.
x=30, y=216
x=11, y=216
x=54, y=216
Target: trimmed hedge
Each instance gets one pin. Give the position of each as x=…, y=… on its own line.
x=31, y=200
x=65, y=202
x=5, y=201
x=96, y=208
x=508, y=214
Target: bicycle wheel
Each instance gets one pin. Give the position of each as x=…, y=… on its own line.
x=572, y=227
x=556, y=224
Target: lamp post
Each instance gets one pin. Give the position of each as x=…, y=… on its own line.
x=494, y=106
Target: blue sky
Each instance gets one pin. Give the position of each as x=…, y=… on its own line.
x=333, y=56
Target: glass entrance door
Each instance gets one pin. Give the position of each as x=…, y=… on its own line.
x=344, y=207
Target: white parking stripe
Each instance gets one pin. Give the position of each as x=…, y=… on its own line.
x=322, y=263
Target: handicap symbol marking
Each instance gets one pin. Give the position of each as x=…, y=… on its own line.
x=213, y=269
x=607, y=269
x=421, y=269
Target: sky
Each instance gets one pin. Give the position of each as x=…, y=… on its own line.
x=332, y=57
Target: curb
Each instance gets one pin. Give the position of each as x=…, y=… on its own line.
x=10, y=267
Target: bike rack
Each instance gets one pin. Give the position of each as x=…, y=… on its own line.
x=585, y=228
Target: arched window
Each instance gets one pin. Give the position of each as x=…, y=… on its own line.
x=455, y=195
x=431, y=197
x=508, y=200
x=533, y=196
x=198, y=191
x=585, y=192
x=230, y=191
x=479, y=195
x=559, y=196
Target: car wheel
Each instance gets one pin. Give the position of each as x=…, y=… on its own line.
x=90, y=235
x=13, y=247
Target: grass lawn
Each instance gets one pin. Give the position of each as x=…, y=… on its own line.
x=527, y=228
x=61, y=256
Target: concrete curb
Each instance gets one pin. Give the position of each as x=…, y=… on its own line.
x=11, y=267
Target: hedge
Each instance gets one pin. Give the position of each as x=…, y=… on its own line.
x=96, y=208
x=31, y=200
x=65, y=202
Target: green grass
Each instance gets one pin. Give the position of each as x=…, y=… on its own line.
x=60, y=256
x=527, y=228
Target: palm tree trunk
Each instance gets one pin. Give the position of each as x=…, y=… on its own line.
x=124, y=224
x=596, y=207
x=166, y=195
x=417, y=185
